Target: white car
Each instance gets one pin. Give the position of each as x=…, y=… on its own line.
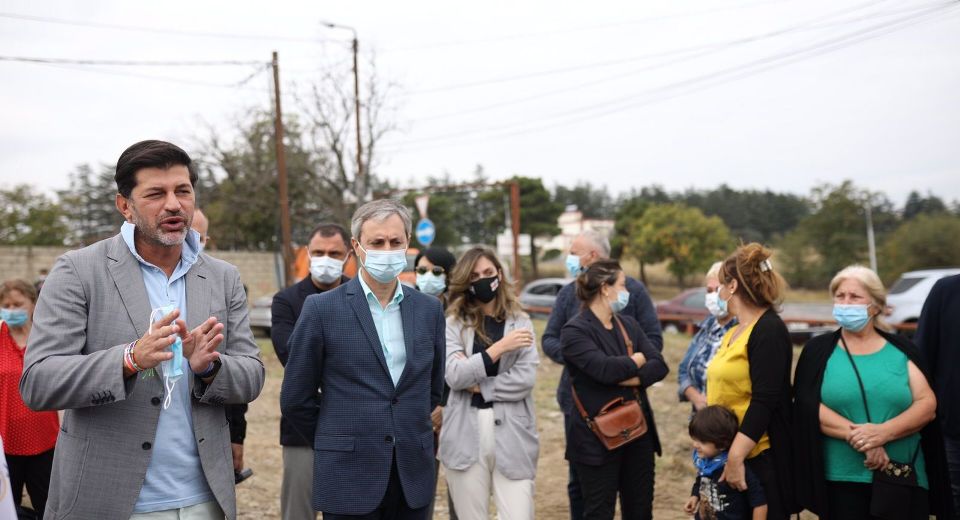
x=906, y=296
x=260, y=317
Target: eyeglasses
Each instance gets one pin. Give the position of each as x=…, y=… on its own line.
x=436, y=270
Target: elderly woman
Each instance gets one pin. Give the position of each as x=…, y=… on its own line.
x=692, y=375
x=28, y=437
x=863, y=399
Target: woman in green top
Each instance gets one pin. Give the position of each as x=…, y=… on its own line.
x=839, y=444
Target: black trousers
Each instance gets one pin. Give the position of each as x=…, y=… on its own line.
x=630, y=474
x=392, y=507
x=762, y=466
x=32, y=471
x=851, y=501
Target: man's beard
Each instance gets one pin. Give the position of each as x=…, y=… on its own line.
x=155, y=234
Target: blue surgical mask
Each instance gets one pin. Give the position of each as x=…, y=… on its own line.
x=325, y=269
x=14, y=317
x=573, y=265
x=431, y=284
x=723, y=305
x=712, y=302
x=852, y=317
x=172, y=368
x=623, y=297
x=384, y=266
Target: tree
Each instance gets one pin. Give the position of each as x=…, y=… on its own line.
x=538, y=212
x=630, y=211
x=681, y=235
x=594, y=203
x=834, y=235
x=926, y=241
x=30, y=218
x=917, y=204
x=89, y=205
x=753, y=216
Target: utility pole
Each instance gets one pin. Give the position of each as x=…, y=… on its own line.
x=282, y=177
x=356, y=104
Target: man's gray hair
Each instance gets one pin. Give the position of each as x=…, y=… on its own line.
x=378, y=211
x=600, y=241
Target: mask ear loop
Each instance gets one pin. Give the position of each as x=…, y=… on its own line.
x=167, y=383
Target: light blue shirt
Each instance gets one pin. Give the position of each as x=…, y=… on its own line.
x=174, y=477
x=389, y=324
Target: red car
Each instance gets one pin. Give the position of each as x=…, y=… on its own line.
x=683, y=309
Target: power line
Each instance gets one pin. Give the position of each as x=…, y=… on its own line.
x=155, y=30
x=132, y=63
x=695, y=84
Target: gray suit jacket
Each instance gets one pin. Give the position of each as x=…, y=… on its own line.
x=94, y=303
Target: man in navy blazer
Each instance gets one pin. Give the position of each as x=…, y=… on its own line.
x=375, y=350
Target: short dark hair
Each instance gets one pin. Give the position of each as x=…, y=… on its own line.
x=149, y=154
x=329, y=229
x=437, y=256
x=715, y=424
x=591, y=281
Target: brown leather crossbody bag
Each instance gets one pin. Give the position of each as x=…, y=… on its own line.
x=620, y=421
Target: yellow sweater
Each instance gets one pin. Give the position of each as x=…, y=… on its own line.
x=728, y=380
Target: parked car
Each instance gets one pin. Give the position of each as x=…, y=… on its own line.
x=539, y=295
x=683, y=308
x=907, y=294
x=260, y=318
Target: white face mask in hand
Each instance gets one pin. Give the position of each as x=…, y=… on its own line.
x=172, y=368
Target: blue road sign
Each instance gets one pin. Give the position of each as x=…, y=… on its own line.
x=426, y=232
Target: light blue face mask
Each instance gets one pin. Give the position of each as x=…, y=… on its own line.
x=573, y=265
x=172, y=368
x=384, y=266
x=623, y=297
x=431, y=284
x=852, y=317
x=14, y=317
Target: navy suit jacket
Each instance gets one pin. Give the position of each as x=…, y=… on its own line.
x=361, y=421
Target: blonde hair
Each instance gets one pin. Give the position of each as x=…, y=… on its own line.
x=750, y=266
x=464, y=306
x=714, y=271
x=870, y=281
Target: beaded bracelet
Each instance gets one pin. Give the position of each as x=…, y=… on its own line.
x=129, y=360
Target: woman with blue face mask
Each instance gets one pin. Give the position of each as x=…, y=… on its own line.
x=28, y=437
x=595, y=350
x=433, y=266
x=863, y=398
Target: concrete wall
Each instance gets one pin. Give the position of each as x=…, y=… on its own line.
x=257, y=269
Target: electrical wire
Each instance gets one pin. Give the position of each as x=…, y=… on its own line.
x=692, y=85
x=154, y=30
x=133, y=63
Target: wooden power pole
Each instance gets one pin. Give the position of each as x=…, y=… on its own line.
x=282, y=177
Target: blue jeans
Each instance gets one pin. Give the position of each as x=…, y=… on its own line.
x=952, y=447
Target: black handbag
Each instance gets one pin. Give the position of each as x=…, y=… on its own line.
x=894, y=485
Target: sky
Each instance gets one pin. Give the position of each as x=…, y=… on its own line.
x=758, y=94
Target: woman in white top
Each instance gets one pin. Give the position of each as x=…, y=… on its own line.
x=489, y=443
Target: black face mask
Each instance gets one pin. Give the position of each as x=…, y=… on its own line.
x=485, y=289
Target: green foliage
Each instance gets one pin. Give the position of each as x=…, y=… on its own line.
x=594, y=203
x=918, y=205
x=926, y=241
x=538, y=212
x=834, y=235
x=460, y=215
x=30, y=218
x=684, y=236
x=753, y=216
x=89, y=205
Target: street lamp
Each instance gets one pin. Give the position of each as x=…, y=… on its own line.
x=356, y=101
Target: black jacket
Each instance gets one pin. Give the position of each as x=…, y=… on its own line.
x=770, y=354
x=938, y=336
x=808, y=440
x=597, y=360
x=284, y=312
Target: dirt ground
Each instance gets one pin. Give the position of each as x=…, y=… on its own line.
x=258, y=497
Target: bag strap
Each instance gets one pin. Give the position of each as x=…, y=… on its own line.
x=626, y=339
x=576, y=398
x=863, y=394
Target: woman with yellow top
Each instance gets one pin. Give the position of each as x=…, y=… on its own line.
x=750, y=375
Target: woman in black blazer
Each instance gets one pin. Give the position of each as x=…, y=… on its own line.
x=600, y=369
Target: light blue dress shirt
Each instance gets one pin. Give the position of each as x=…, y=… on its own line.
x=174, y=477
x=389, y=324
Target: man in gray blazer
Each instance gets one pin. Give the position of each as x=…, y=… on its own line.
x=142, y=340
